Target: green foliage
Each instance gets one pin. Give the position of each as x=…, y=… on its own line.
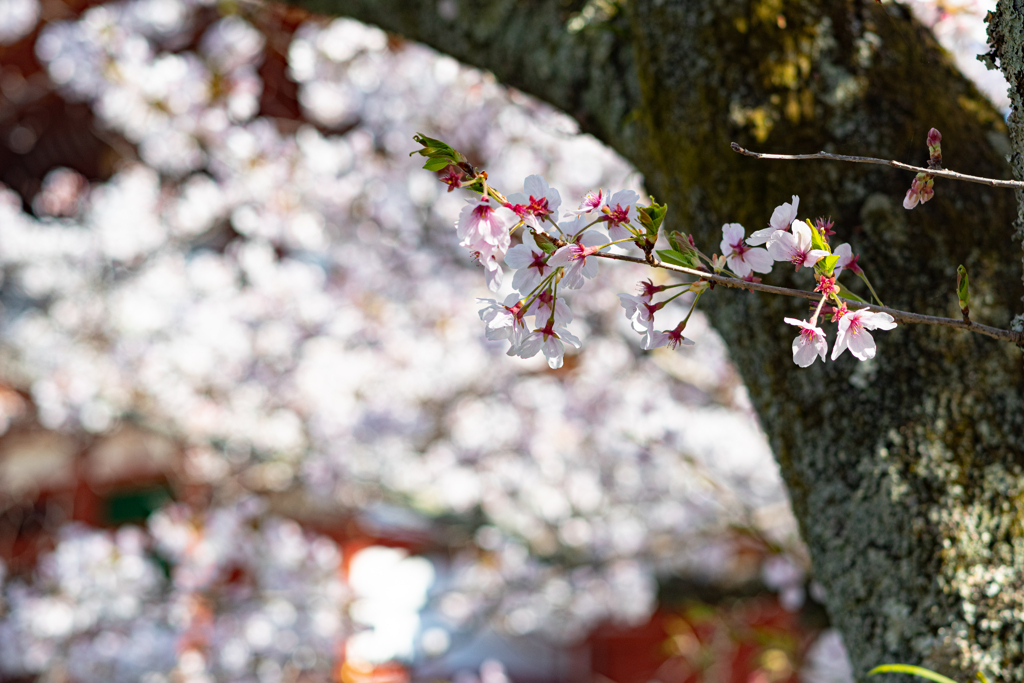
x=678, y=258
x=439, y=154
x=651, y=217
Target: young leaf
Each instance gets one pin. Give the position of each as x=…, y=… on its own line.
x=651, y=217
x=437, y=164
x=678, y=258
x=546, y=244
x=912, y=670
x=963, y=293
x=828, y=264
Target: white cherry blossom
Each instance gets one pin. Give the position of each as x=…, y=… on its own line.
x=795, y=247
x=620, y=210
x=809, y=345
x=847, y=259
x=530, y=263
x=741, y=257
x=577, y=259
x=854, y=335
x=551, y=340
x=537, y=201
x=782, y=218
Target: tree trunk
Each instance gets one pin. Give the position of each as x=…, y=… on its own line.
x=904, y=471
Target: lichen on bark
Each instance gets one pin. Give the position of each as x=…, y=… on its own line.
x=904, y=471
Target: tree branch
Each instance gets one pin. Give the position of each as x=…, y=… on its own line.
x=937, y=172
x=901, y=316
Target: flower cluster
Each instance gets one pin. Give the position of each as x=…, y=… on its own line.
x=806, y=244
x=555, y=255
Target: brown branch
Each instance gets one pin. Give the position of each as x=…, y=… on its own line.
x=936, y=172
x=900, y=316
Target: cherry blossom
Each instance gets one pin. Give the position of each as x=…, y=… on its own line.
x=781, y=219
x=620, y=211
x=548, y=339
x=921, y=190
x=537, y=201
x=671, y=338
x=575, y=258
x=593, y=201
x=795, y=246
x=484, y=234
x=742, y=258
x=530, y=262
x=639, y=310
x=847, y=260
x=480, y=228
x=809, y=344
x=853, y=332
x=504, y=321
x=546, y=307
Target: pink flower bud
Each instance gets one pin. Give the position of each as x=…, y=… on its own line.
x=934, y=137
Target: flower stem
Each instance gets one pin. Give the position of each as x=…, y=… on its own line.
x=863, y=276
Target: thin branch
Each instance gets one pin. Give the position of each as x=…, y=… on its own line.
x=900, y=316
x=936, y=172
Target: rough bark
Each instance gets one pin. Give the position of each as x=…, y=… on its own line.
x=904, y=471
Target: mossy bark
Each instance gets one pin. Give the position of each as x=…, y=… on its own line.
x=904, y=471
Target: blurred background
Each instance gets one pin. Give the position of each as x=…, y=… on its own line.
x=252, y=429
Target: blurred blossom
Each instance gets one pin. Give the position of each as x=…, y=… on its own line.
x=17, y=19
x=103, y=607
x=288, y=300
x=62, y=193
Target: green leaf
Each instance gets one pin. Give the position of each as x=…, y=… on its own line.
x=678, y=258
x=437, y=164
x=828, y=264
x=437, y=149
x=847, y=294
x=651, y=218
x=912, y=670
x=816, y=240
x=963, y=292
x=546, y=244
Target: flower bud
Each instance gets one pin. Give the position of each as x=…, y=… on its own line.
x=934, y=149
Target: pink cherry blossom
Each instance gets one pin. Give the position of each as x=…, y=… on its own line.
x=921, y=190
x=847, y=260
x=530, y=262
x=782, y=218
x=535, y=203
x=575, y=258
x=621, y=210
x=594, y=201
x=809, y=344
x=742, y=258
x=479, y=223
x=853, y=332
x=452, y=177
x=484, y=234
x=795, y=246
